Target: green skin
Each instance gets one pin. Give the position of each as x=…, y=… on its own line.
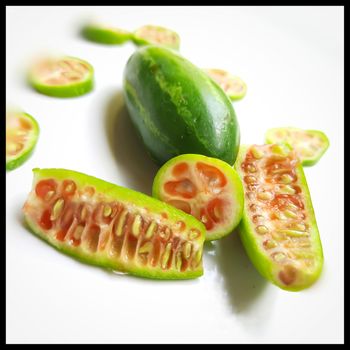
x=140, y=40
x=124, y=195
x=71, y=90
x=306, y=161
x=266, y=267
x=231, y=176
x=105, y=35
x=15, y=162
x=176, y=107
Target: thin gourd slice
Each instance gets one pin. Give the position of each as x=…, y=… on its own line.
x=157, y=35
x=22, y=132
x=103, y=34
x=309, y=144
x=234, y=87
x=278, y=228
x=205, y=187
x=113, y=227
x=62, y=76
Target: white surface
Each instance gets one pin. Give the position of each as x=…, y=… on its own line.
x=292, y=62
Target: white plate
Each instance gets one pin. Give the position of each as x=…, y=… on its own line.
x=292, y=61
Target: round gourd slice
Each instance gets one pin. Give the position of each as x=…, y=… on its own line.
x=103, y=34
x=278, y=227
x=234, y=87
x=157, y=35
x=310, y=145
x=22, y=132
x=62, y=76
x=113, y=227
x=207, y=188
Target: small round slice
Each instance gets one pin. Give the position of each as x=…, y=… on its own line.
x=103, y=34
x=151, y=34
x=234, y=87
x=22, y=132
x=62, y=76
x=310, y=145
x=207, y=188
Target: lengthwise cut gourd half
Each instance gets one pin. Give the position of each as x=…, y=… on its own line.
x=278, y=228
x=113, y=227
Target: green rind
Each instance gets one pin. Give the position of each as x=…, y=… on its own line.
x=229, y=172
x=19, y=160
x=140, y=41
x=269, y=138
x=72, y=90
x=103, y=35
x=176, y=107
x=260, y=260
x=125, y=195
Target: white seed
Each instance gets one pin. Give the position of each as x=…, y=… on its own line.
x=150, y=230
x=286, y=179
x=293, y=233
x=287, y=189
x=257, y=153
x=261, y=229
x=278, y=257
x=146, y=248
x=265, y=195
x=270, y=243
x=136, y=225
x=57, y=209
x=166, y=255
x=290, y=214
x=121, y=221
x=187, y=250
x=107, y=210
x=49, y=195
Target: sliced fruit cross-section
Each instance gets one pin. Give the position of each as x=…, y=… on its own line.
x=103, y=34
x=278, y=228
x=309, y=144
x=114, y=227
x=151, y=34
x=22, y=132
x=204, y=187
x=62, y=76
x=234, y=87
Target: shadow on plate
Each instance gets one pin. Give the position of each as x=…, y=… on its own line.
x=241, y=280
x=129, y=152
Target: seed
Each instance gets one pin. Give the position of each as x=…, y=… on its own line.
x=135, y=229
x=12, y=147
x=165, y=234
x=302, y=253
x=280, y=149
x=300, y=227
x=286, y=179
x=278, y=257
x=107, y=210
x=121, y=221
x=187, y=250
x=292, y=206
x=197, y=257
x=258, y=218
x=178, y=260
x=265, y=195
x=83, y=213
x=261, y=229
x=270, y=243
x=249, y=179
x=254, y=208
x=194, y=233
x=57, y=209
x=294, y=233
x=256, y=152
x=251, y=168
x=150, y=230
x=287, y=190
x=166, y=255
x=78, y=231
x=290, y=214
x=49, y=195
x=146, y=248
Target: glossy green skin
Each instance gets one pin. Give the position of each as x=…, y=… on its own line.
x=139, y=40
x=124, y=195
x=103, y=35
x=29, y=149
x=265, y=266
x=177, y=108
x=231, y=176
x=306, y=161
x=71, y=90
